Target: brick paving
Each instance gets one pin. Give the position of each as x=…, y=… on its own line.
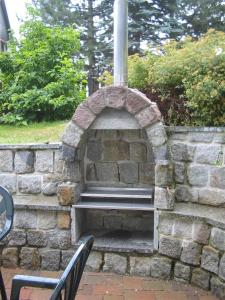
x=106, y=286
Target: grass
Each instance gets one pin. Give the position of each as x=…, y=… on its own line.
x=44, y=132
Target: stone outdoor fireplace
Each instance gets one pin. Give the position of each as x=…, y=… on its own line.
x=116, y=158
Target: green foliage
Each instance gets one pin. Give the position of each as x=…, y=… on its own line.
x=41, y=77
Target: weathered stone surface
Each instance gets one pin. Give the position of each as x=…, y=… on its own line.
x=50, y=260
x=66, y=257
x=17, y=238
x=147, y=173
x=217, y=238
x=29, y=258
x=127, y=135
x=66, y=193
x=201, y=232
x=94, y=150
x=107, y=171
x=46, y=219
x=163, y=175
x=166, y=224
x=68, y=154
x=211, y=197
x=164, y=198
x=186, y=194
x=113, y=221
x=148, y=116
x=156, y=135
x=96, y=102
x=25, y=219
x=209, y=155
x=95, y=219
x=140, y=266
x=200, y=278
x=128, y=172
x=219, y=138
x=217, y=178
x=222, y=267
x=83, y=116
x=50, y=188
x=138, y=152
x=210, y=259
x=8, y=181
x=59, y=239
x=170, y=246
x=71, y=172
x=136, y=101
x=90, y=172
x=115, y=150
x=198, y=175
x=63, y=220
x=182, y=227
x=37, y=238
x=6, y=161
x=29, y=184
x=161, y=267
x=58, y=162
x=24, y=162
x=183, y=152
x=132, y=222
x=115, y=263
x=204, y=137
x=191, y=252
x=10, y=257
x=94, y=262
x=179, y=172
x=182, y=272
x=72, y=135
x=44, y=161
x=217, y=287
x=161, y=153
x=116, y=96
x=150, y=155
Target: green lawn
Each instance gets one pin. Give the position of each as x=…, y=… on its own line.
x=44, y=132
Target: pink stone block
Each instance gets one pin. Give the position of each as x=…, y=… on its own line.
x=96, y=102
x=83, y=117
x=148, y=116
x=116, y=96
x=136, y=101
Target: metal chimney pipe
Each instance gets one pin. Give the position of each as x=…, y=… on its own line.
x=120, y=42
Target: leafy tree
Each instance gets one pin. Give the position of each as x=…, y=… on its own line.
x=41, y=76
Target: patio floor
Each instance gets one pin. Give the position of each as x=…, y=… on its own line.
x=106, y=286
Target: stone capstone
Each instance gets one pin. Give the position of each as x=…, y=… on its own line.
x=24, y=162
x=210, y=259
x=136, y=101
x=148, y=116
x=115, y=263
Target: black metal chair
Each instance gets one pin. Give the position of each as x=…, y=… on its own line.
x=65, y=287
x=6, y=214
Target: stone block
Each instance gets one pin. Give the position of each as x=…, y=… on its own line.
x=201, y=232
x=150, y=155
x=59, y=239
x=115, y=150
x=72, y=135
x=147, y=173
x=140, y=265
x=219, y=138
x=46, y=219
x=10, y=257
x=17, y=238
x=115, y=263
x=128, y=135
x=170, y=246
x=136, y=101
x=58, y=162
x=29, y=184
x=63, y=220
x=217, y=238
x=182, y=227
x=66, y=193
x=200, y=278
x=203, y=137
x=107, y=171
x=138, y=152
x=166, y=224
x=71, y=172
x=161, y=267
x=198, y=175
x=164, y=198
x=6, y=161
x=210, y=259
x=222, y=267
x=83, y=116
x=50, y=188
x=96, y=102
x=66, y=257
x=25, y=219
x=161, y=153
x=183, y=152
x=156, y=134
x=186, y=194
x=94, y=150
x=217, y=287
x=36, y=238
x=211, y=197
x=148, y=116
x=67, y=154
x=217, y=178
x=209, y=155
x=50, y=260
x=163, y=175
x=191, y=252
x=44, y=161
x=24, y=162
x=29, y=258
x=9, y=182
x=90, y=172
x=115, y=96
x=128, y=172
x=182, y=272
x=94, y=262
x=179, y=172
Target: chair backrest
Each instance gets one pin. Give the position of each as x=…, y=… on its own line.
x=69, y=282
x=7, y=208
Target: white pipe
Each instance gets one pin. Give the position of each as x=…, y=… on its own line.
x=120, y=42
